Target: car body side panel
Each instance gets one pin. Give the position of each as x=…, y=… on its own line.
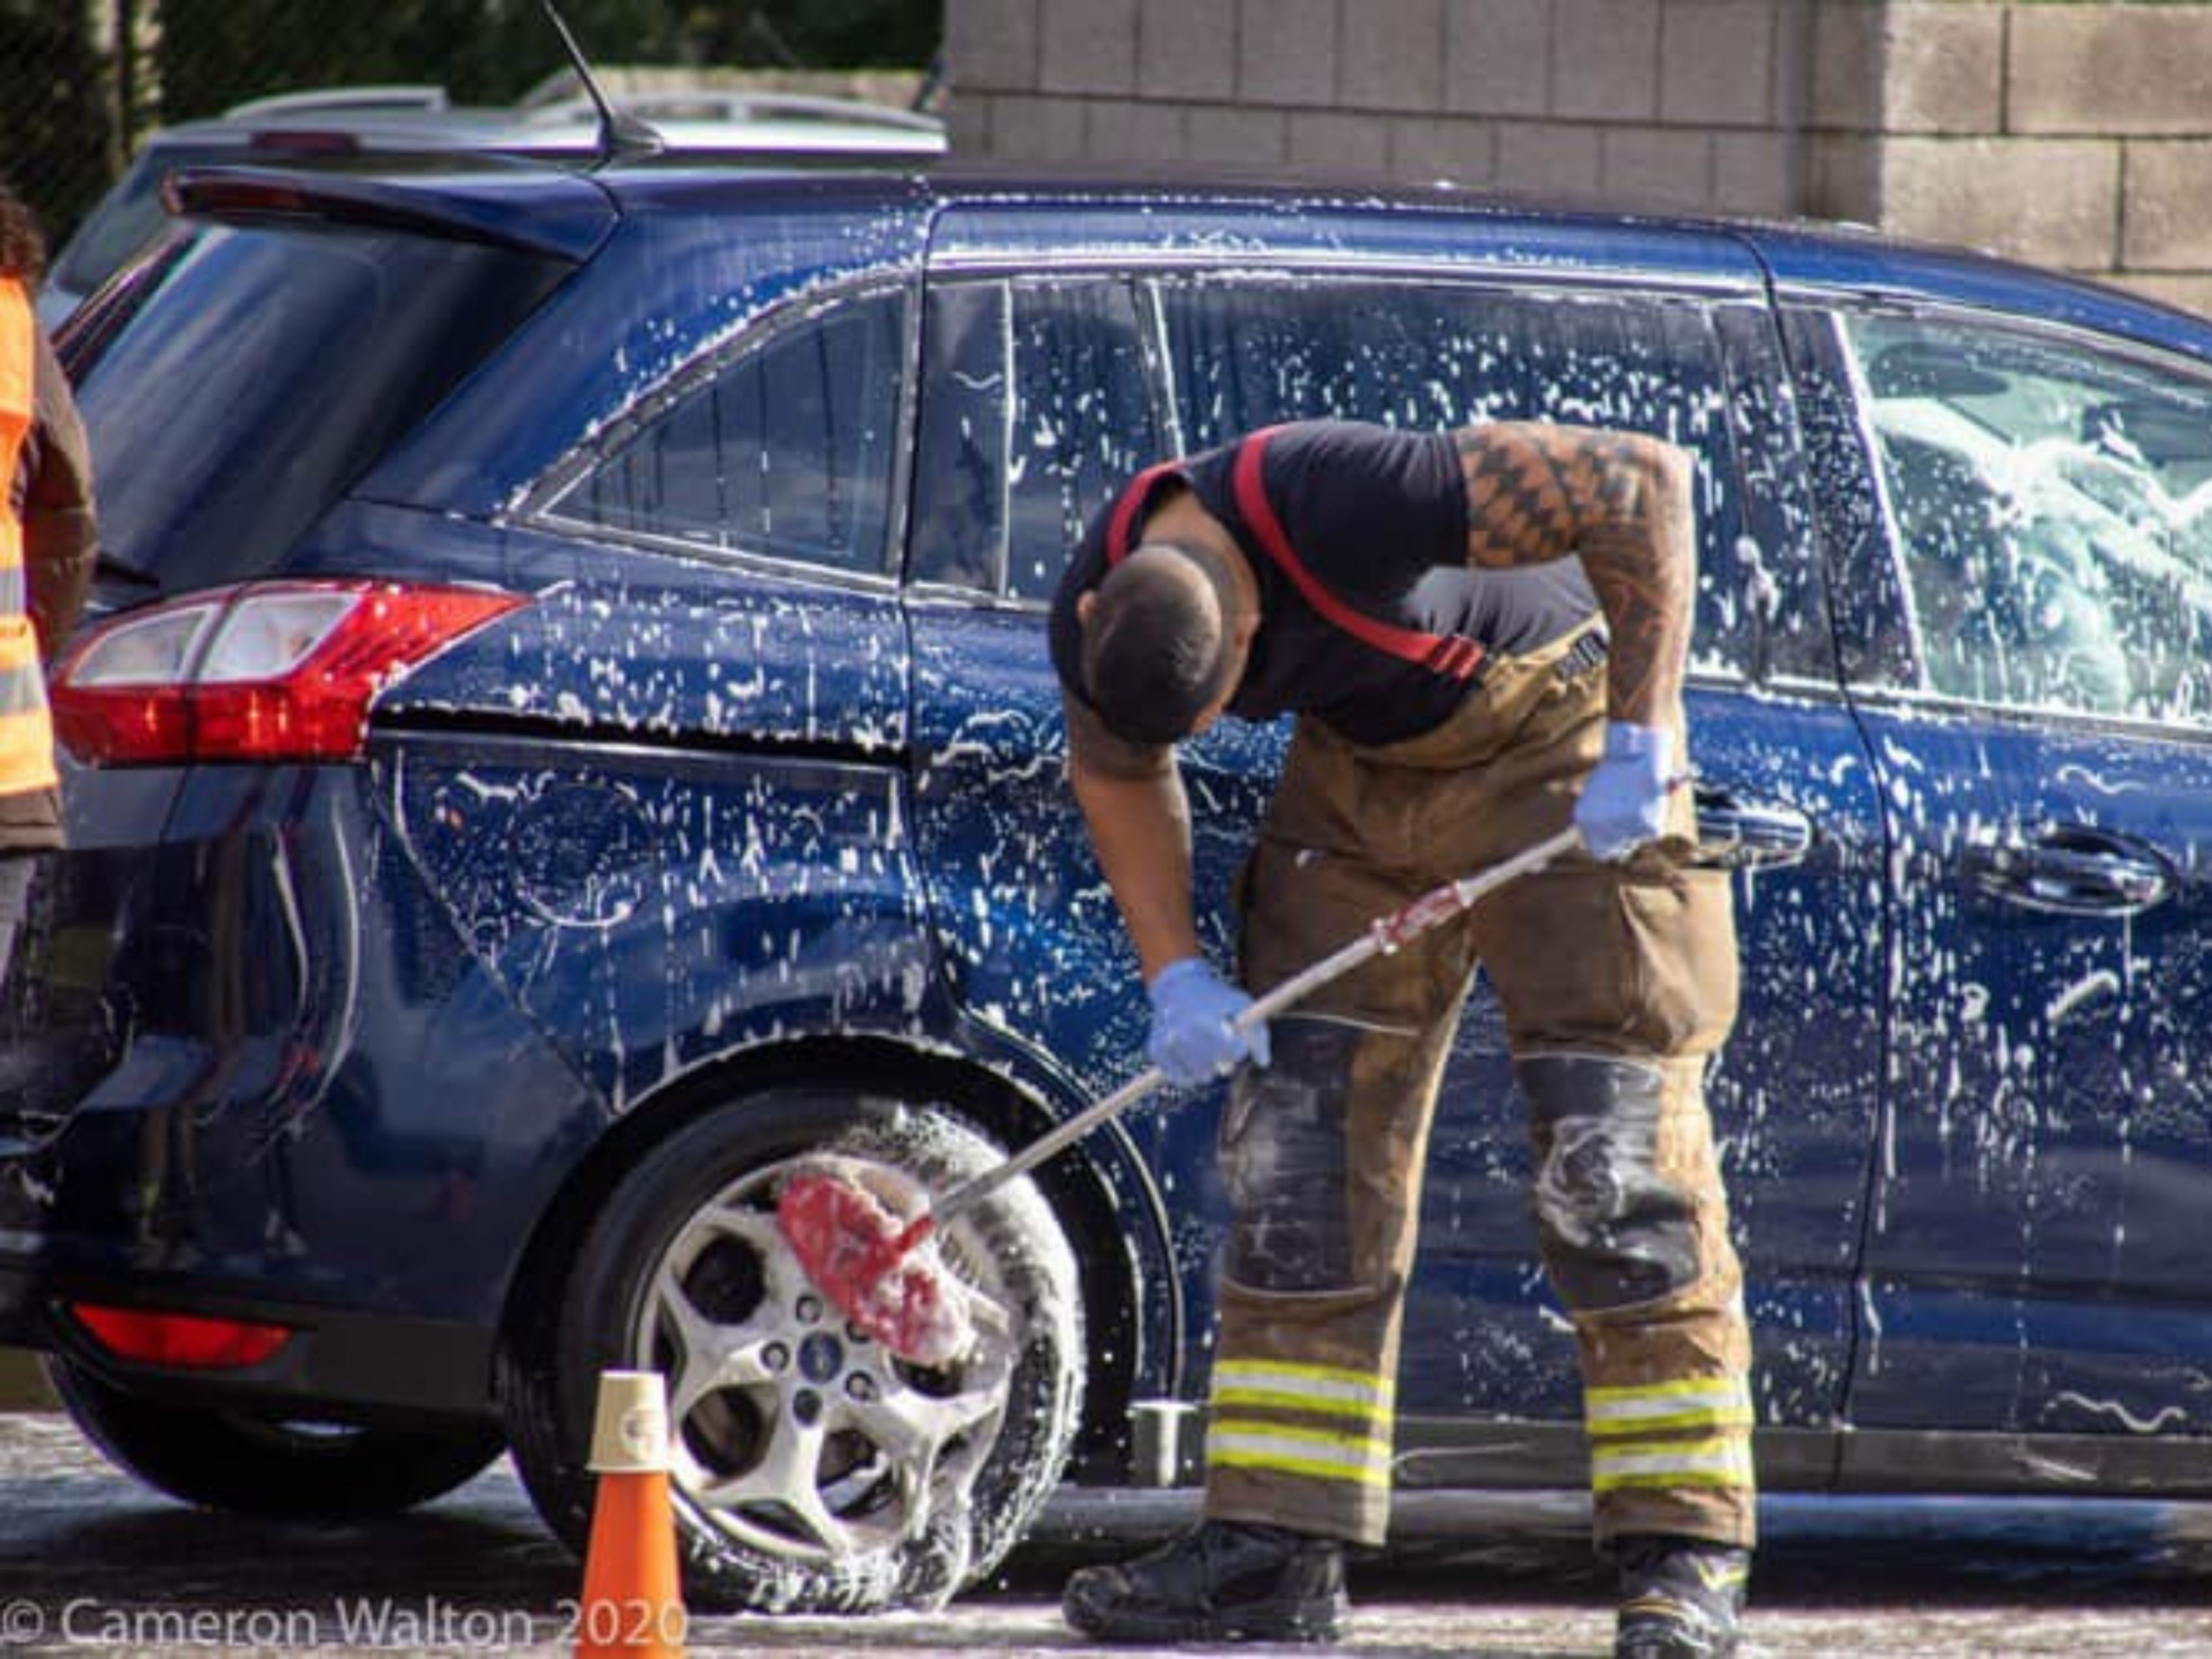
x=319, y=1094
x=1033, y=947
x=620, y=642
x=651, y=912
x=2037, y=1231
x=701, y=809
x=2036, y=1260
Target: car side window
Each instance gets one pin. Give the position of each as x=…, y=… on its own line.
x=1251, y=352
x=784, y=449
x=2051, y=507
x=1036, y=408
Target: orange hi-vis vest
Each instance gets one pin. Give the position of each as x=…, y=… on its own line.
x=26, y=734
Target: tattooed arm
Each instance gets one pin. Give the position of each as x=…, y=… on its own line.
x=1536, y=492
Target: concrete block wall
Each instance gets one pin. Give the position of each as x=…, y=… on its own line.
x=2075, y=133
x=1672, y=100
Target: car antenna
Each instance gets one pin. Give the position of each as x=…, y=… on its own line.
x=622, y=136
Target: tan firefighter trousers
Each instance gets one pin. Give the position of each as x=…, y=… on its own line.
x=1617, y=981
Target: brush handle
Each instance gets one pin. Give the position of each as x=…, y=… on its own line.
x=1380, y=937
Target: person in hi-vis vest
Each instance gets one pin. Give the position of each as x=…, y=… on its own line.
x=47, y=540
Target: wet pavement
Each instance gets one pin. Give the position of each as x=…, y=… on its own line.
x=90, y=1562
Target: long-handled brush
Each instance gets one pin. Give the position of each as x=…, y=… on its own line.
x=861, y=1256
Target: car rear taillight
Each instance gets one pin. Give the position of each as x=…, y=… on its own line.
x=164, y=1338
x=268, y=671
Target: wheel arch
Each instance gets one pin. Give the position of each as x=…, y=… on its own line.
x=1134, y=1319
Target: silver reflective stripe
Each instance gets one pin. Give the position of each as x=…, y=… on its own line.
x=14, y=596
x=22, y=690
x=1330, y=1389
x=1701, y=1462
x=1617, y=1411
x=1293, y=1452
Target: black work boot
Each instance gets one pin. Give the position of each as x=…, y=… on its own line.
x=1680, y=1598
x=1223, y=1581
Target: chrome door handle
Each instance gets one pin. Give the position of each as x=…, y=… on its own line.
x=2069, y=870
x=1734, y=834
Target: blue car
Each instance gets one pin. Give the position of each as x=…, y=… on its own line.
x=566, y=742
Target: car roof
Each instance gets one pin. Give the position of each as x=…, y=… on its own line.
x=1800, y=258
x=1803, y=258
x=1317, y=214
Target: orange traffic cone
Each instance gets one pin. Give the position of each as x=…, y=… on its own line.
x=633, y=1600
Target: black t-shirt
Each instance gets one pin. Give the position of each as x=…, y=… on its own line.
x=1378, y=520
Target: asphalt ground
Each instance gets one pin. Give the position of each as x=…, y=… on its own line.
x=92, y=1563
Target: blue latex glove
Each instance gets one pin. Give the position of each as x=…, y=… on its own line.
x=1624, y=803
x=1192, y=1039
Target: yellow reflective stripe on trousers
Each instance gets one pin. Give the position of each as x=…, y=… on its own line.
x=1710, y=1403
x=1724, y=1462
x=1315, y=1454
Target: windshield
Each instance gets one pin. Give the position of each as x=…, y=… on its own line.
x=265, y=369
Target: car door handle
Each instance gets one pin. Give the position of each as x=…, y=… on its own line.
x=1735, y=834
x=2069, y=870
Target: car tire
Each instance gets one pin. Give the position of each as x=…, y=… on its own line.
x=818, y=1473
x=288, y=1470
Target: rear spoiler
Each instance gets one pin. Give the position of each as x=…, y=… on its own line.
x=548, y=212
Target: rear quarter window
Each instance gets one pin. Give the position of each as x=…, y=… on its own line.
x=270, y=366
x=784, y=450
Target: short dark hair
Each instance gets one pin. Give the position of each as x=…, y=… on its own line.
x=22, y=245
x=1158, y=644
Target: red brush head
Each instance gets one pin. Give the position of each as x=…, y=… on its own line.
x=861, y=1257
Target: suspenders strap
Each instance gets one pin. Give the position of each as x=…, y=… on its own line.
x=1451, y=655
x=1121, y=528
